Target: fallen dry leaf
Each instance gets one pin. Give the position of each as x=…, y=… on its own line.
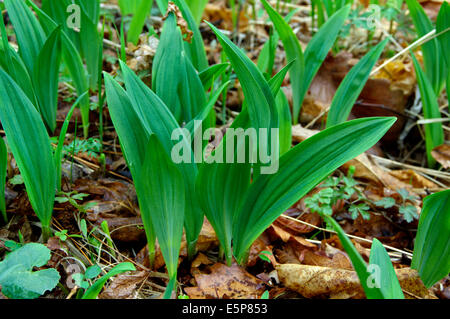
x=408, y=176
x=442, y=155
x=226, y=283
x=315, y=281
x=124, y=286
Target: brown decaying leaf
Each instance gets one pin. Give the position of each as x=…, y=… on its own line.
x=226, y=283
x=206, y=241
x=219, y=14
x=442, y=155
x=124, y=286
x=315, y=282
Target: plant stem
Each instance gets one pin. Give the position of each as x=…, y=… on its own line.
x=192, y=249
x=171, y=286
x=46, y=233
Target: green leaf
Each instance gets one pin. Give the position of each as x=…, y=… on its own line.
x=62, y=137
x=90, y=45
x=167, y=69
x=320, y=45
x=46, y=78
x=195, y=49
x=29, y=33
x=352, y=85
x=74, y=63
x=434, y=65
x=300, y=169
x=17, y=279
x=385, y=202
x=93, y=291
x=409, y=212
x=163, y=201
x=442, y=26
x=434, y=133
x=259, y=99
x=212, y=73
x=197, y=7
x=27, y=136
x=12, y=63
x=3, y=166
x=431, y=257
x=129, y=6
x=358, y=262
x=92, y=272
x=157, y=119
x=388, y=281
x=293, y=53
x=138, y=21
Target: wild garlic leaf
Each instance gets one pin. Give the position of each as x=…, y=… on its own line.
x=17, y=278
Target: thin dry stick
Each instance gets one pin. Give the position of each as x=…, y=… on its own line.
x=351, y=236
x=428, y=171
x=427, y=37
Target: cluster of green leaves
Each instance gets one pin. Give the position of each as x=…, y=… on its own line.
x=306, y=64
x=39, y=42
x=339, y=188
x=27, y=136
x=406, y=209
x=324, y=9
x=91, y=288
x=436, y=64
x=90, y=146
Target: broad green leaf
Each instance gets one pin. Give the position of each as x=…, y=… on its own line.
x=358, y=262
x=46, y=78
x=29, y=33
x=93, y=291
x=207, y=109
x=434, y=133
x=132, y=134
x=433, y=64
x=60, y=11
x=212, y=73
x=138, y=21
x=27, y=138
x=73, y=62
x=163, y=201
x=197, y=7
x=17, y=278
x=157, y=118
x=90, y=46
x=3, y=166
x=133, y=137
x=300, y=169
x=167, y=68
x=443, y=28
x=319, y=46
x=258, y=97
x=293, y=53
x=431, y=257
x=352, y=85
x=18, y=71
x=196, y=48
x=284, y=116
x=388, y=281
x=129, y=6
